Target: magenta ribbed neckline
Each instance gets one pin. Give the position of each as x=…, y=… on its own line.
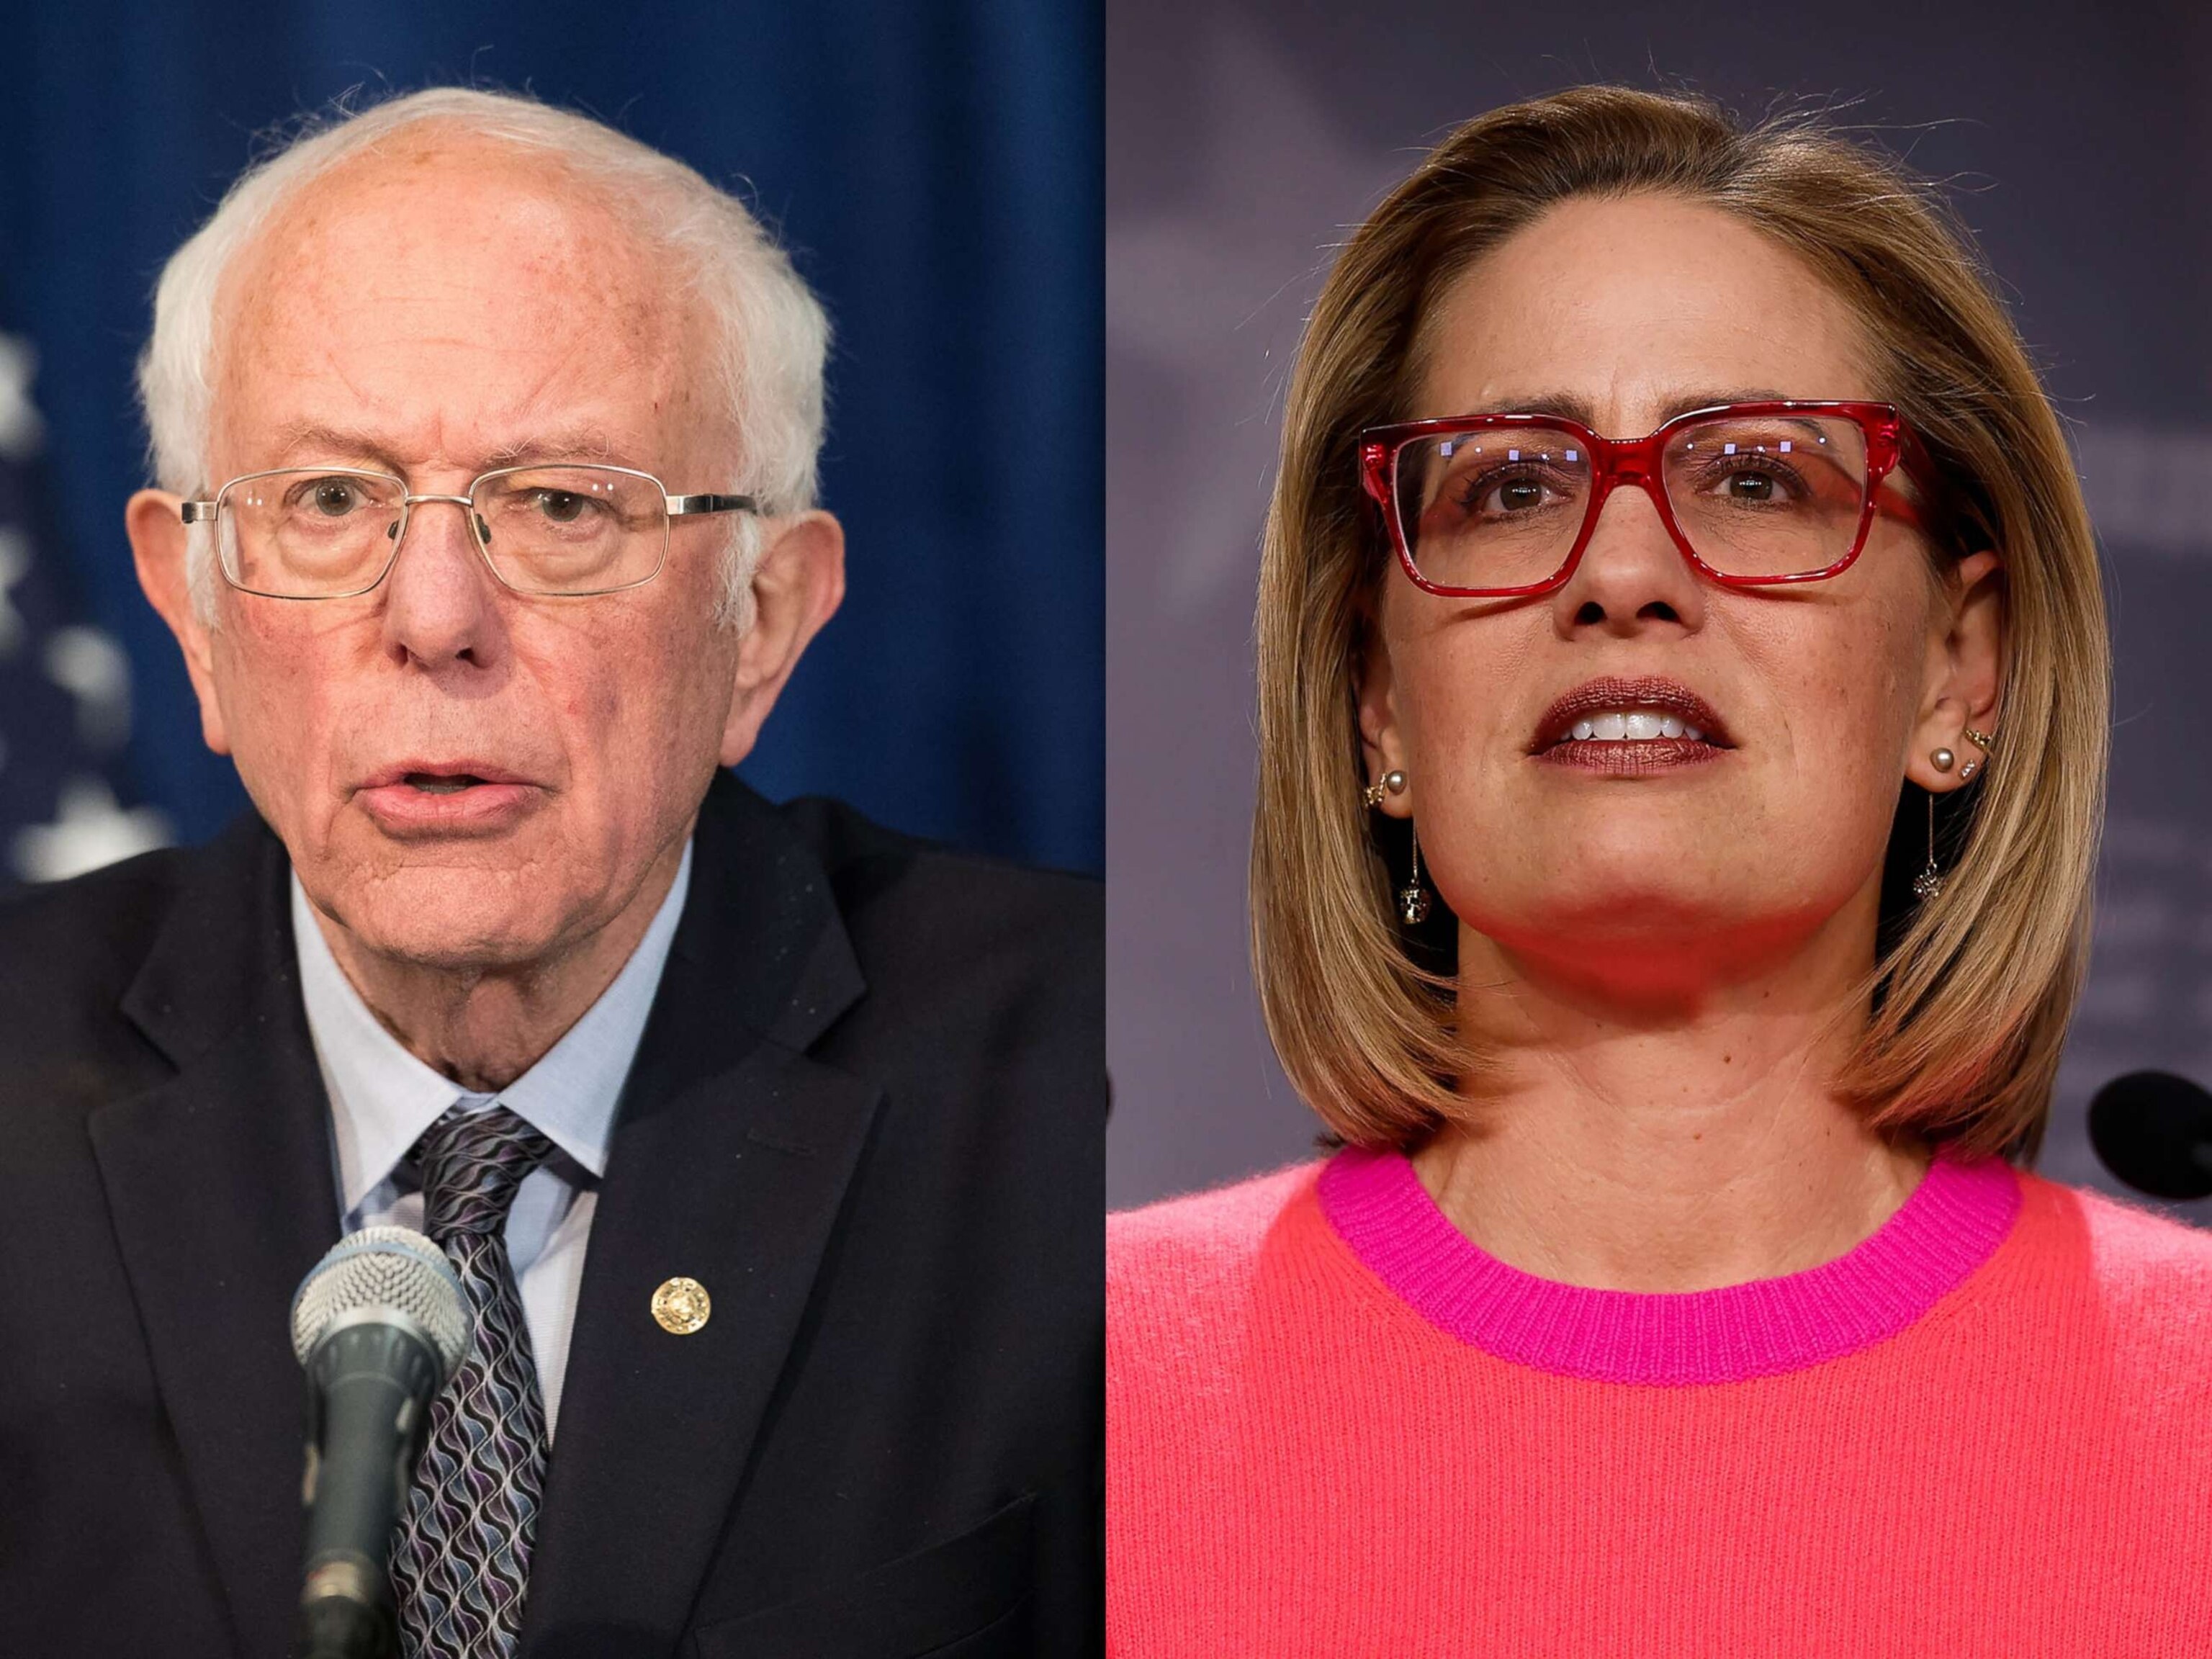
x=1954, y=1221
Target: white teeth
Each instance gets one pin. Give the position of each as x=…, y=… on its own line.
x=1632, y=726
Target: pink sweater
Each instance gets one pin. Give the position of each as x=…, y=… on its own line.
x=1336, y=1427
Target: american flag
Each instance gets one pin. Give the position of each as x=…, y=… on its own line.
x=64, y=684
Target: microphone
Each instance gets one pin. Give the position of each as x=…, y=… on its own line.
x=2153, y=1130
x=379, y=1325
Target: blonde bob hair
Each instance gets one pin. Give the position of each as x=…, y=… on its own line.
x=1967, y=1003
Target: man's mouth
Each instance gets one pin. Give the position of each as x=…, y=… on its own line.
x=437, y=796
x=439, y=775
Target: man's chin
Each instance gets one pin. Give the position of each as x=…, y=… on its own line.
x=452, y=921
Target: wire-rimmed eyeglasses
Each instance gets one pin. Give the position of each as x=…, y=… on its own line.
x=1753, y=493
x=332, y=533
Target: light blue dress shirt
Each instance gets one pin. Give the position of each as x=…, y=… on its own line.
x=382, y=1098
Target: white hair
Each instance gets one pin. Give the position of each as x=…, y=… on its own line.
x=770, y=333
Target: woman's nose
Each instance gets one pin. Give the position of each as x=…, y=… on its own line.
x=1631, y=570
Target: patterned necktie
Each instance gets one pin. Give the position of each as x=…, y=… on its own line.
x=462, y=1559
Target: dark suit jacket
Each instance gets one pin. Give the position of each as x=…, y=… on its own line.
x=868, y=1114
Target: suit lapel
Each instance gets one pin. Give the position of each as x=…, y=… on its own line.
x=219, y=1185
x=729, y=1165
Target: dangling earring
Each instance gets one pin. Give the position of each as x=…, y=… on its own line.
x=1412, y=897
x=1930, y=882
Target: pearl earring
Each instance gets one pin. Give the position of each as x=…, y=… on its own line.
x=1942, y=759
x=1412, y=897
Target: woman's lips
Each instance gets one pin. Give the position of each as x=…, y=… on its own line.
x=1630, y=756
x=1642, y=725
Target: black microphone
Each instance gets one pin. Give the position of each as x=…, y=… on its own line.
x=380, y=1325
x=2153, y=1130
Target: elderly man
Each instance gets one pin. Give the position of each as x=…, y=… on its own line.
x=767, y=1142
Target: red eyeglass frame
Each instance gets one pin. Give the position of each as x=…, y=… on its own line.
x=1890, y=448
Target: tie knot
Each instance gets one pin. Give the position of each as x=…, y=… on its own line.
x=472, y=1162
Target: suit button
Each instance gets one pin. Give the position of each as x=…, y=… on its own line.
x=681, y=1306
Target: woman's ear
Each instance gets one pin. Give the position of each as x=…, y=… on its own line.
x=1381, y=745
x=1964, y=673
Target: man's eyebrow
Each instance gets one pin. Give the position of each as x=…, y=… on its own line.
x=332, y=443
x=574, y=444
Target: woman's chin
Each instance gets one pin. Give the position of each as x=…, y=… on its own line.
x=1634, y=915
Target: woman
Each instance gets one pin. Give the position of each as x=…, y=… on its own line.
x=1682, y=715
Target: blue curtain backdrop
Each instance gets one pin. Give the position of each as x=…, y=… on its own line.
x=935, y=168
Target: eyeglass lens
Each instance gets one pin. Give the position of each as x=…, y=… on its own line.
x=1754, y=495
x=321, y=532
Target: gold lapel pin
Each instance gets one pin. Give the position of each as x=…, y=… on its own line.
x=681, y=1306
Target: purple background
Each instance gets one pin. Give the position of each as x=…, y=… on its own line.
x=1244, y=140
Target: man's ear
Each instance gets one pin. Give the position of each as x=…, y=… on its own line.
x=159, y=539
x=1964, y=672
x=797, y=586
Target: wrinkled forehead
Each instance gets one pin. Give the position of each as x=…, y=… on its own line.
x=455, y=298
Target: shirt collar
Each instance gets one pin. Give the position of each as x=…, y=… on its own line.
x=382, y=1098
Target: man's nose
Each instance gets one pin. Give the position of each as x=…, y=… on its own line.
x=439, y=604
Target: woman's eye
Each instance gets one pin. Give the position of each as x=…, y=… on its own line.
x=1776, y=486
x=1496, y=495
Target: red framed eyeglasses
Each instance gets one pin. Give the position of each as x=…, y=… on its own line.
x=1753, y=494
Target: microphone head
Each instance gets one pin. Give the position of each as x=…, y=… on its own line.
x=2153, y=1131
x=393, y=1268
